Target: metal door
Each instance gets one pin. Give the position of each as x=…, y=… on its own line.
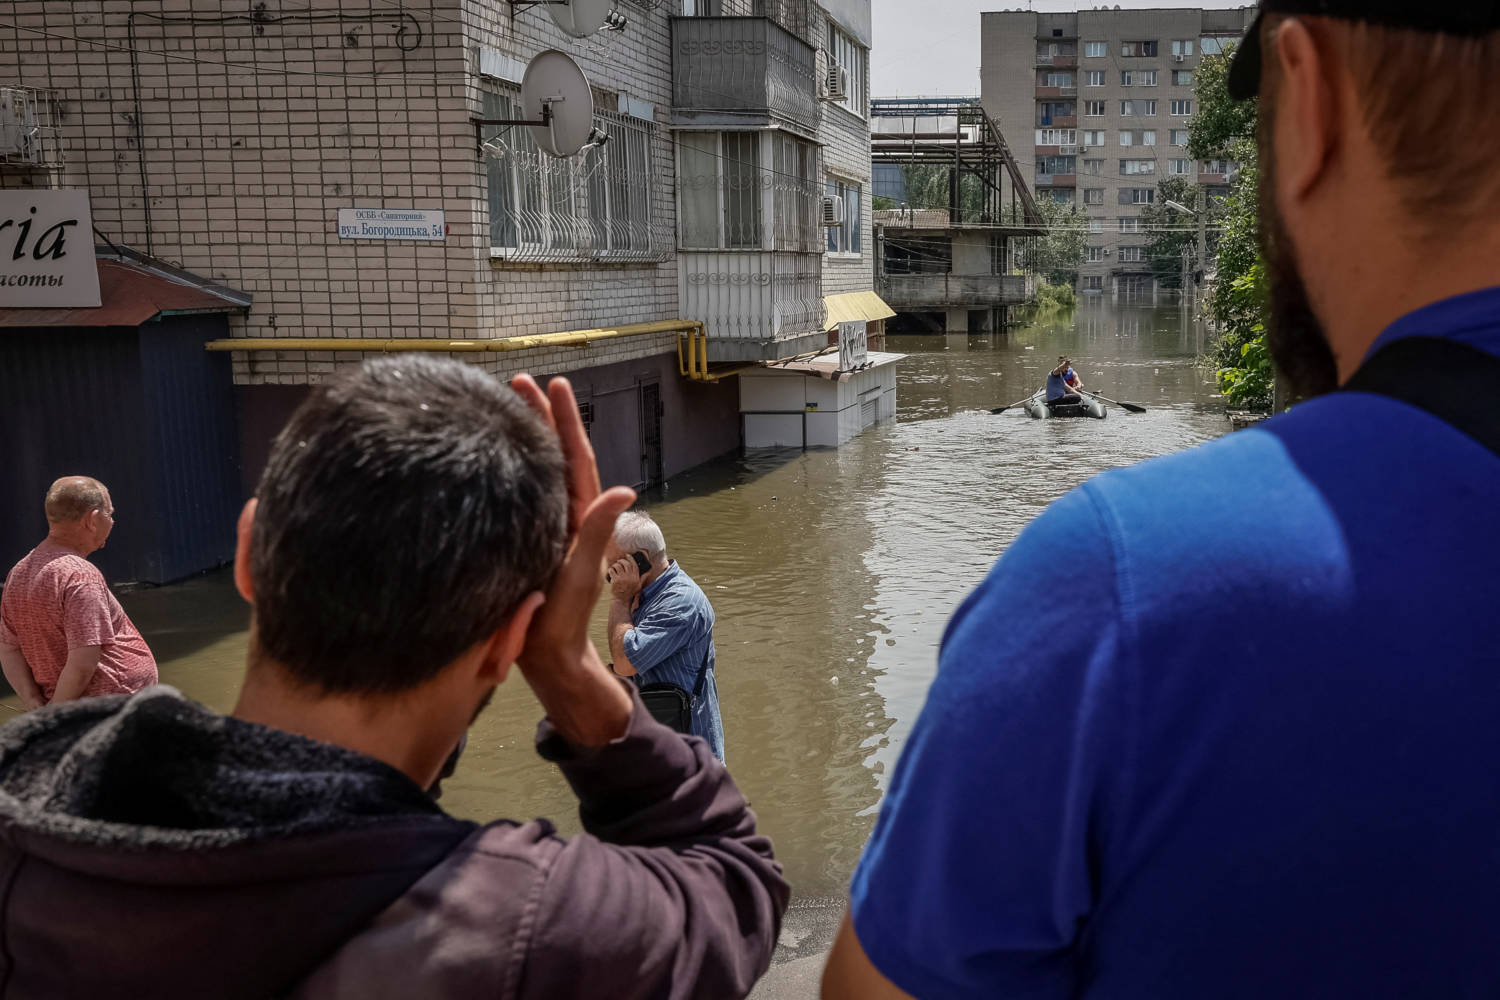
x=651, y=416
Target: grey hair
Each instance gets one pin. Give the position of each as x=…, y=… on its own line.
x=635, y=531
x=71, y=498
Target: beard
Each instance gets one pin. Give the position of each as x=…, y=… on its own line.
x=1296, y=339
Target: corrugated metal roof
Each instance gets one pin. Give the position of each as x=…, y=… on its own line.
x=133, y=289
x=826, y=363
x=853, y=306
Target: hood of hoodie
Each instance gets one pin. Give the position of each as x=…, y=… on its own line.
x=149, y=847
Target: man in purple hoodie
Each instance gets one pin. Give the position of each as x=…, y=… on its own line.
x=418, y=529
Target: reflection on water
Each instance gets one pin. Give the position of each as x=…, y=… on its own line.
x=832, y=572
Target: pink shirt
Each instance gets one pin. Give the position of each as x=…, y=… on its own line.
x=55, y=601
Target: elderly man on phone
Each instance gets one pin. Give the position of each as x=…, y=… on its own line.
x=661, y=626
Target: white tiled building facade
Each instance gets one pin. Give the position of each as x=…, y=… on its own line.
x=226, y=139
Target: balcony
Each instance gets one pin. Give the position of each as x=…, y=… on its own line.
x=1057, y=121
x=1213, y=178
x=757, y=305
x=917, y=292
x=1057, y=180
x=1043, y=91
x=725, y=69
x=1067, y=61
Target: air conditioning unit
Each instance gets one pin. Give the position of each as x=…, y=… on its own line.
x=1179, y=57
x=836, y=83
x=27, y=135
x=833, y=212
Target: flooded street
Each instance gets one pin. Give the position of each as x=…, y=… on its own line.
x=832, y=572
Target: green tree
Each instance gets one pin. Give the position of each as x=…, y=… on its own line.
x=1224, y=127
x=1169, y=231
x=927, y=186
x=1059, y=251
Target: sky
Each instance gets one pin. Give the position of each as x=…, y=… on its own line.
x=931, y=47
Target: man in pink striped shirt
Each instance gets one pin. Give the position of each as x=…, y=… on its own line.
x=62, y=633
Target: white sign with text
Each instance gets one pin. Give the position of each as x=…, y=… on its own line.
x=47, y=249
x=392, y=224
x=854, y=345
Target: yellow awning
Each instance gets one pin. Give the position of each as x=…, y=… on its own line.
x=852, y=306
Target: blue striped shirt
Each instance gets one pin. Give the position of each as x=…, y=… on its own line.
x=673, y=632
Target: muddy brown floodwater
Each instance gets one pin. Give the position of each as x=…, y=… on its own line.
x=832, y=573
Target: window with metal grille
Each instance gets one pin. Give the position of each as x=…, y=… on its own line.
x=595, y=206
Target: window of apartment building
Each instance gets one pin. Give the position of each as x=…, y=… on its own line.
x=1056, y=136
x=1137, y=77
x=1093, y=196
x=1137, y=196
x=1096, y=225
x=1096, y=254
x=1138, y=109
x=848, y=238
x=1093, y=109
x=1132, y=255
x=1180, y=167
x=1211, y=45
x=1127, y=138
x=1093, y=137
x=1215, y=166
x=1057, y=164
x=1182, y=78
x=1093, y=282
x=1148, y=137
x=1093, y=167
x=1182, y=46
x=1059, y=80
x=1137, y=49
x=1095, y=50
x=1182, y=107
x=1060, y=196
x=1051, y=50
x=703, y=8
x=1180, y=138
x=1131, y=168
x=595, y=206
x=729, y=202
x=1130, y=224
x=1046, y=111
x=1094, y=78
x=853, y=57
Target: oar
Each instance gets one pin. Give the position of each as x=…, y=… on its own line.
x=1132, y=407
x=1012, y=406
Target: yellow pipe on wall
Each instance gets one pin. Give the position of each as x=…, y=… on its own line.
x=573, y=338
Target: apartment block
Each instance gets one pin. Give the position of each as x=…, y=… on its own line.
x=354, y=173
x=1107, y=97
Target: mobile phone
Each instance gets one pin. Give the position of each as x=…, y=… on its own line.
x=642, y=563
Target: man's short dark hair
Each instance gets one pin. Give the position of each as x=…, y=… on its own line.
x=406, y=510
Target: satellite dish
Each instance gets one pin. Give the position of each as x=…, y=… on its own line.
x=555, y=91
x=580, y=18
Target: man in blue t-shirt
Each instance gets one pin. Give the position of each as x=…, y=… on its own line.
x=1253, y=753
x=1058, y=389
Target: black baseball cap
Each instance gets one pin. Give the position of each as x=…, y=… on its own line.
x=1453, y=17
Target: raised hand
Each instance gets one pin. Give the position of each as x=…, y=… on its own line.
x=586, y=704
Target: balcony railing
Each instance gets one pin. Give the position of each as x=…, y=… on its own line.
x=753, y=301
x=915, y=291
x=743, y=64
x=1057, y=180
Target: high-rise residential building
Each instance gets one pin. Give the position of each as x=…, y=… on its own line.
x=1107, y=97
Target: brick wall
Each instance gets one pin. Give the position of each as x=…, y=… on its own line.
x=846, y=154
x=253, y=130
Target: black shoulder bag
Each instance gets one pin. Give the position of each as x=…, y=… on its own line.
x=1419, y=371
x=671, y=705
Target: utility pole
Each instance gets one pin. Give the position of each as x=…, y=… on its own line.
x=1202, y=205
